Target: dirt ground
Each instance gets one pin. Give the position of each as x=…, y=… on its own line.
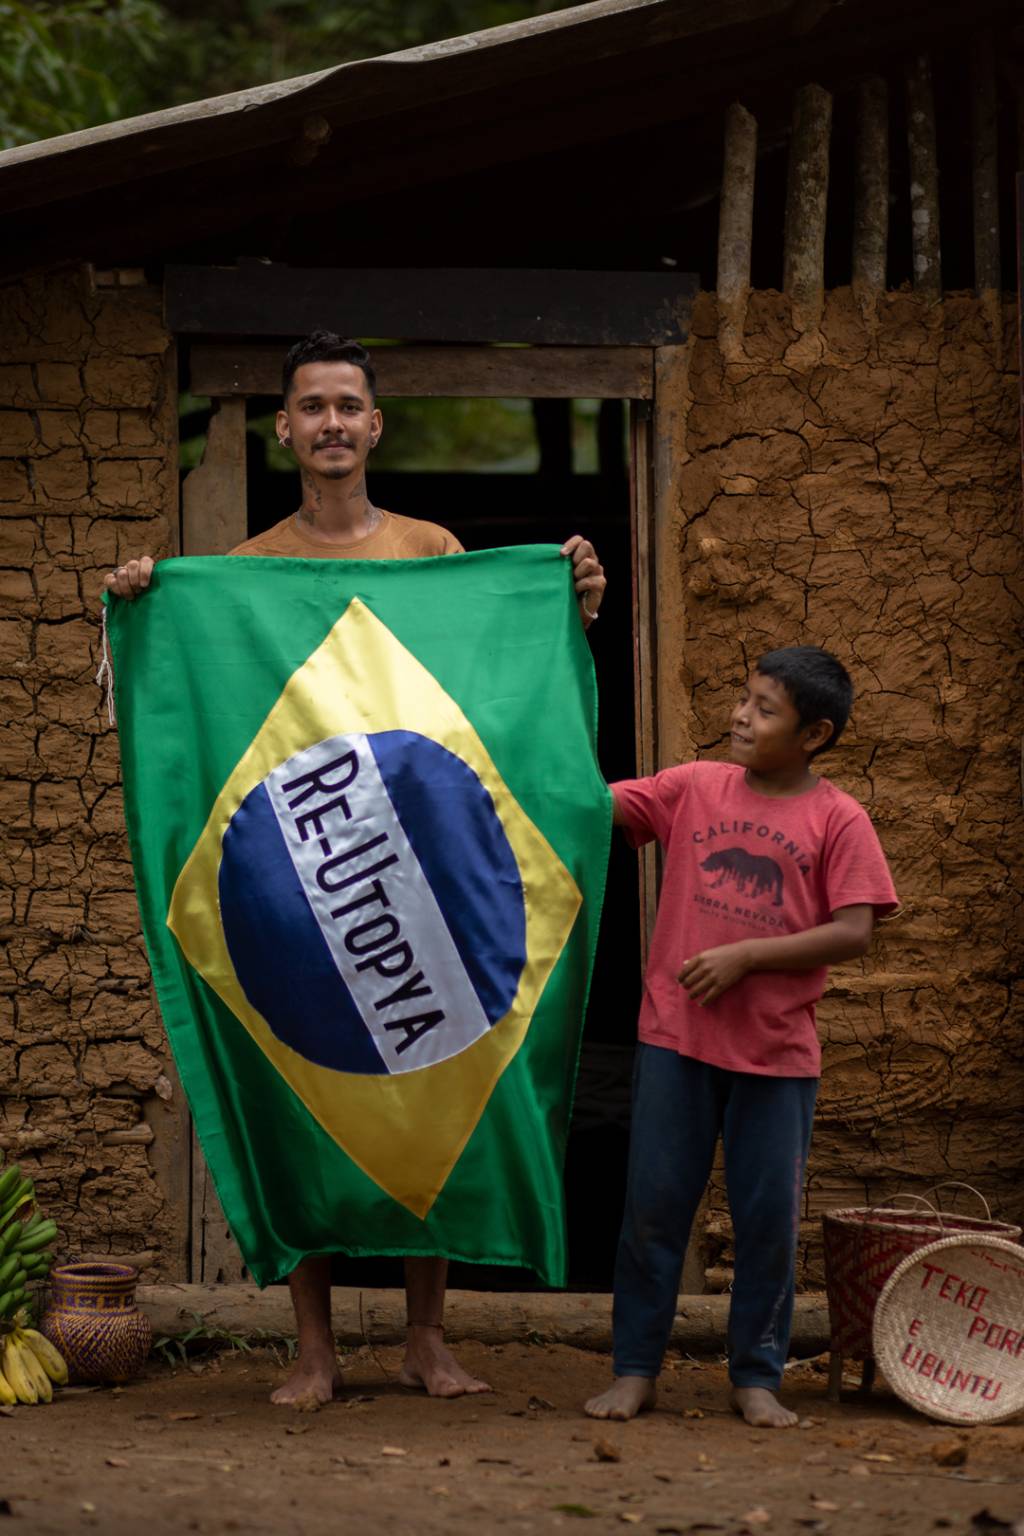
x=200, y=1448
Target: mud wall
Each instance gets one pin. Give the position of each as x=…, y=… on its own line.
x=859, y=487
x=88, y=476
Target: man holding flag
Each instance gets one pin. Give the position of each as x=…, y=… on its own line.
x=330, y=420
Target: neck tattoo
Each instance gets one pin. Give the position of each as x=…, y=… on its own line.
x=374, y=517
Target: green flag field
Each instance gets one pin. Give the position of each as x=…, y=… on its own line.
x=370, y=839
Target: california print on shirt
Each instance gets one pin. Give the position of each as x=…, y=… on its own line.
x=756, y=881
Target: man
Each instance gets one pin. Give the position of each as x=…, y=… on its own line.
x=330, y=420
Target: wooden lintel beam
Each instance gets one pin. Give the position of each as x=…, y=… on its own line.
x=552, y=308
x=589, y=373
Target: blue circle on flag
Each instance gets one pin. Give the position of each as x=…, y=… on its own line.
x=406, y=885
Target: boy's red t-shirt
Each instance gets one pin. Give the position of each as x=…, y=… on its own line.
x=739, y=864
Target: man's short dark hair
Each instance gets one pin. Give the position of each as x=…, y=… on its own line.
x=326, y=347
x=817, y=683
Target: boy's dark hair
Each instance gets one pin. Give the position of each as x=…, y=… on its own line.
x=817, y=683
x=327, y=347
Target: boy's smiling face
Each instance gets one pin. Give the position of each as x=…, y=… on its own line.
x=766, y=736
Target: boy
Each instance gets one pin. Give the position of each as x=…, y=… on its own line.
x=771, y=875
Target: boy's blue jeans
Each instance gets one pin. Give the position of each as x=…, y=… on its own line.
x=680, y=1108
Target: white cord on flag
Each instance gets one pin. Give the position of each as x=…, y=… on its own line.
x=105, y=675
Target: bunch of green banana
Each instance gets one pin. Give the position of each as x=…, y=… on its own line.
x=29, y=1367
x=29, y=1364
x=24, y=1241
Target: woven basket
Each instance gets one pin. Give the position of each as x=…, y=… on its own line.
x=949, y=1330
x=865, y=1244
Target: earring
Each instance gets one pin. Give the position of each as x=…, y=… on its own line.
x=284, y=442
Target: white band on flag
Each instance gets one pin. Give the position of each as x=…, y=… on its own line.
x=374, y=904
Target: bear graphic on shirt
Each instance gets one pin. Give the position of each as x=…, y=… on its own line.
x=752, y=874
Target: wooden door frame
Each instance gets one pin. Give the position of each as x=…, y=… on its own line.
x=214, y=513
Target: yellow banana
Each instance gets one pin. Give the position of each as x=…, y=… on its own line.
x=8, y=1396
x=50, y=1358
x=24, y=1387
x=34, y=1369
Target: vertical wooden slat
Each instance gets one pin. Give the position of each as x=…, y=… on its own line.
x=803, y=276
x=166, y=1112
x=213, y=522
x=170, y=1157
x=215, y=1258
x=736, y=206
x=214, y=494
x=924, y=178
x=984, y=169
x=669, y=457
x=671, y=407
x=640, y=508
x=871, y=197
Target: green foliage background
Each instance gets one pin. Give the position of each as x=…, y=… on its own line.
x=71, y=64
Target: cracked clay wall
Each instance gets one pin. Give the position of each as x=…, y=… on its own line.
x=859, y=487
x=88, y=476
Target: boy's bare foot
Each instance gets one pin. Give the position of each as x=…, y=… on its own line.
x=430, y=1364
x=625, y=1398
x=761, y=1408
x=315, y=1379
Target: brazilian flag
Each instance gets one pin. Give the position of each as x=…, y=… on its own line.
x=370, y=840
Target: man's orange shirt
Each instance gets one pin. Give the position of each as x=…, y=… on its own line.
x=394, y=538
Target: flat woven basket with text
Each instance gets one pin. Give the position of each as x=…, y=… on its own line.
x=949, y=1330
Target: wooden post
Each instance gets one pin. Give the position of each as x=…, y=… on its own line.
x=641, y=515
x=985, y=163
x=924, y=178
x=736, y=207
x=806, y=202
x=215, y=1258
x=671, y=692
x=871, y=198
x=213, y=521
x=213, y=510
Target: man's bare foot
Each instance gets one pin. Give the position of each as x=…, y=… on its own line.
x=430, y=1364
x=625, y=1398
x=761, y=1408
x=314, y=1380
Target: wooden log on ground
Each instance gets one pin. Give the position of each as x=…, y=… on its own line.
x=736, y=206
x=984, y=165
x=582, y=1320
x=807, y=200
x=871, y=196
x=924, y=178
